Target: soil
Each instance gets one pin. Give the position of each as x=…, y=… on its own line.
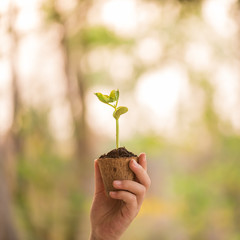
x=117, y=153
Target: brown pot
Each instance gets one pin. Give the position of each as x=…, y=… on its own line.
x=115, y=169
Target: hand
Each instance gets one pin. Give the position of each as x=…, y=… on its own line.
x=111, y=216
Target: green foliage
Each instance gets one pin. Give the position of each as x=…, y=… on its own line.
x=150, y=142
x=45, y=178
x=96, y=36
x=103, y=98
x=51, y=13
x=208, y=192
x=113, y=97
x=118, y=111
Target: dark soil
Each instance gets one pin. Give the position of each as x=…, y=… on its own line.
x=117, y=153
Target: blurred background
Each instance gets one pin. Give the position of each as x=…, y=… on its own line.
x=177, y=66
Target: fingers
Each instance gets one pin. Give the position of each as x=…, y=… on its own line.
x=131, y=186
x=140, y=172
x=136, y=188
x=142, y=160
x=99, y=187
x=129, y=198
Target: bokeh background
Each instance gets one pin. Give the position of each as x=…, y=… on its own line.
x=177, y=66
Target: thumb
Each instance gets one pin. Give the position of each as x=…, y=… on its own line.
x=99, y=186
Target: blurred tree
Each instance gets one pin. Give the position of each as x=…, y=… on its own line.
x=10, y=146
x=76, y=87
x=7, y=226
x=76, y=40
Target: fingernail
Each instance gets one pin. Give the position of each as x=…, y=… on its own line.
x=135, y=163
x=116, y=183
x=112, y=193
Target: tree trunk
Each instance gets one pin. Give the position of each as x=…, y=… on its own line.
x=7, y=226
x=10, y=145
x=75, y=91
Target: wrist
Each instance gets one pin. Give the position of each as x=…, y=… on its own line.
x=94, y=236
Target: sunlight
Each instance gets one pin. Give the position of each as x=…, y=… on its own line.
x=149, y=49
x=227, y=100
x=121, y=67
x=216, y=13
x=121, y=15
x=161, y=91
x=198, y=55
x=5, y=97
x=61, y=127
x=129, y=17
x=117, y=62
x=3, y=6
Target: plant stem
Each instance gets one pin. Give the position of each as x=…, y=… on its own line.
x=110, y=105
x=117, y=134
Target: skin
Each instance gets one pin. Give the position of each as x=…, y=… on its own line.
x=111, y=215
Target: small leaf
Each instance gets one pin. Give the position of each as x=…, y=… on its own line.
x=108, y=99
x=114, y=95
x=117, y=95
x=103, y=98
x=119, y=111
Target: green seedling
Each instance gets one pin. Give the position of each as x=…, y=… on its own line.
x=112, y=100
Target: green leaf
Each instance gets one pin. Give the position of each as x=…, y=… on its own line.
x=109, y=99
x=103, y=98
x=114, y=95
x=119, y=111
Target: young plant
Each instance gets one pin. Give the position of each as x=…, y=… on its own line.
x=112, y=100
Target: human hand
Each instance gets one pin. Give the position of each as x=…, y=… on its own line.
x=111, y=216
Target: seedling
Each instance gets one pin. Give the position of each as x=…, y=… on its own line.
x=112, y=100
